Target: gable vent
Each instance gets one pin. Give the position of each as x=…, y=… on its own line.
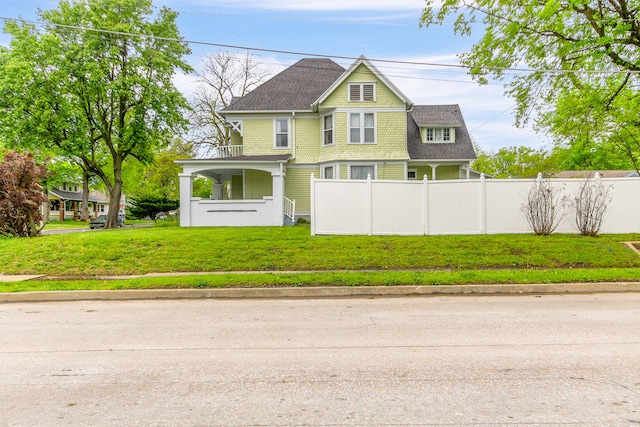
x=367, y=92
x=354, y=92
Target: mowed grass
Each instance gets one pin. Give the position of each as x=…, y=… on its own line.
x=277, y=249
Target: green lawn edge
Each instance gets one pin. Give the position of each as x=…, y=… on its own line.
x=352, y=278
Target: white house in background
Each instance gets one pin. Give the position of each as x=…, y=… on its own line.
x=65, y=202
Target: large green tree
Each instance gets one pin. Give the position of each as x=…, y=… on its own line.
x=95, y=85
x=572, y=64
x=516, y=162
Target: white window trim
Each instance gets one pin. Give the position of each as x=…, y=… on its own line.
x=323, y=171
x=333, y=130
x=275, y=127
x=375, y=169
x=361, y=85
x=452, y=135
x=415, y=173
x=375, y=127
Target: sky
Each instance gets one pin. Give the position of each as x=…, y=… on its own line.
x=377, y=29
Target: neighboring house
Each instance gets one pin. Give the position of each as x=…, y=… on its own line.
x=317, y=118
x=66, y=202
x=602, y=173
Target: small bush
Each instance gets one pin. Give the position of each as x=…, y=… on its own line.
x=591, y=202
x=545, y=207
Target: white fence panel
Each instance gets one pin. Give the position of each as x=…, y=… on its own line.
x=454, y=207
x=508, y=195
x=623, y=214
x=339, y=209
x=454, y=210
x=397, y=207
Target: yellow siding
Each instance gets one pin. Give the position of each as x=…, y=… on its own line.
x=384, y=96
x=297, y=186
x=236, y=187
x=257, y=184
x=394, y=171
x=308, y=138
x=442, y=172
x=258, y=137
x=391, y=140
x=236, y=139
x=448, y=172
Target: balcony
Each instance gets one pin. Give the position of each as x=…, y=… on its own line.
x=226, y=151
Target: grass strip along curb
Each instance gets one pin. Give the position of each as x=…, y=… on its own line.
x=340, y=279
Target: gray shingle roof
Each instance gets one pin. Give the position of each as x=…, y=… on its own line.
x=438, y=115
x=293, y=89
x=77, y=195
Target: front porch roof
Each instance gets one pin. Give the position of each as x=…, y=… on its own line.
x=267, y=163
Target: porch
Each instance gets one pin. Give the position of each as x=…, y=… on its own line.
x=256, y=197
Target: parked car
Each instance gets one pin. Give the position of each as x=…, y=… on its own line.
x=100, y=221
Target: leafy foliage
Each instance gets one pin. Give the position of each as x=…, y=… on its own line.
x=95, y=97
x=21, y=195
x=151, y=206
x=581, y=60
x=515, y=162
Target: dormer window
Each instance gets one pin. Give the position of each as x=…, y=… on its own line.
x=438, y=135
x=362, y=92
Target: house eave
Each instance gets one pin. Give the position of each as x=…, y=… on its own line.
x=273, y=112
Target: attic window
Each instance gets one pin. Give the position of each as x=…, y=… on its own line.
x=362, y=92
x=438, y=135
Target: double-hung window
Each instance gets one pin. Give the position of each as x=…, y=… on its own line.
x=327, y=130
x=362, y=128
x=281, y=133
x=362, y=92
x=361, y=171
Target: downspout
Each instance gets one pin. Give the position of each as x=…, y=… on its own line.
x=293, y=133
x=406, y=142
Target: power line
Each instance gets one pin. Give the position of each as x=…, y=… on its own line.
x=317, y=55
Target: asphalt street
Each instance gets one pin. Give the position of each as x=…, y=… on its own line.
x=439, y=360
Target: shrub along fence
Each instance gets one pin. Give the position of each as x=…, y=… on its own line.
x=480, y=206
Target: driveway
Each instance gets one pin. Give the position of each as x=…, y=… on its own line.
x=525, y=360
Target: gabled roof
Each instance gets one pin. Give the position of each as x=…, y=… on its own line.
x=363, y=61
x=77, y=195
x=438, y=115
x=294, y=89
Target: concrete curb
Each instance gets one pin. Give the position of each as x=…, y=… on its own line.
x=321, y=292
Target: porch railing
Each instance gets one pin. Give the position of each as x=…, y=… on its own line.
x=226, y=151
x=290, y=209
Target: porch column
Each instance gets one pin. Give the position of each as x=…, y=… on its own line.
x=278, y=197
x=186, y=190
x=434, y=166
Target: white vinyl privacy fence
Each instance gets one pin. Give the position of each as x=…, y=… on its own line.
x=482, y=206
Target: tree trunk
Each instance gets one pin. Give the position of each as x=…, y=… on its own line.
x=85, y=195
x=114, y=194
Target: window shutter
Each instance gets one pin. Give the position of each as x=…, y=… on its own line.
x=354, y=93
x=367, y=92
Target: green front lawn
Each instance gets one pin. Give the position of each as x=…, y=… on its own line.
x=138, y=251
